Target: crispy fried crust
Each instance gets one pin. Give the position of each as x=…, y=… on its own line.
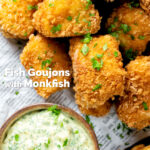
x=137, y=23
x=111, y=76
x=66, y=18
x=141, y=147
x=145, y=4
x=132, y=107
x=40, y=49
x=16, y=18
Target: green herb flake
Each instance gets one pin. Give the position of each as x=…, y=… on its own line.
x=51, y=5
x=141, y=37
x=132, y=37
x=54, y=110
x=65, y=143
x=97, y=65
x=16, y=92
x=125, y=28
x=48, y=143
x=56, y=28
x=130, y=54
x=95, y=45
x=16, y=137
x=76, y=132
x=48, y=61
x=108, y=137
x=85, y=49
x=98, y=86
x=88, y=120
x=69, y=18
x=100, y=145
x=30, y=7
x=116, y=19
x=14, y=0
x=87, y=38
x=99, y=55
x=116, y=54
x=89, y=2
x=145, y=105
x=77, y=18
x=91, y=15
x=105, y=47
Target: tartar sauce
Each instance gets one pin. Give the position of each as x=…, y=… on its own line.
x=50, y=129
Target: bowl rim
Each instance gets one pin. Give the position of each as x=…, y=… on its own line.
x=31, y=108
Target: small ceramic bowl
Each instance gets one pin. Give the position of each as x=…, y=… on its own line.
x=20, y=113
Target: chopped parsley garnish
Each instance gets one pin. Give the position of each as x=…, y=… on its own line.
x=16, y=137
x=105, y=47
x=91, y=15
x=86, y=21
x=56, y=28
x=121, y=136
x=30, y=7
x=54, y=110
x=99, y=56
x=141, y=37
x=48, y=61
x=95, y=45
x=89, y=2
x=51, y=5
x=111, y=27
x=116, y=19
x=69, y=18
x=132, y=37
x=116, y=54
x=126, y=143
x=96, y=65
x=87, y=38
x=130, y=54
x=39, y=58
x=65, y=142
x=77, y=18
x=145, y=105
x=85, y=49
x=76, y=132
x=115, y=34
x=88, y=120
x=16, y=92
x=98, y=86
x=108, y=137
x=125, y=28
x=48, y=143
x=133, y=4
x=25, y=34
x=100, y=145
x=14, y=0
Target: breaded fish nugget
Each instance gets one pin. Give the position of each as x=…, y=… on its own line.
x=141, y=147
x=131, y=26
x=145, y=4
x=66, y=18
x=98, y=72
x=16, y=18
x=134, y=108
x=43, y=54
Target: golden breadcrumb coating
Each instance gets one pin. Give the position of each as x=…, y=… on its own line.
x=99, y=111
x=134, y=108
x=98, y=75
x=131, y=26
x=16, y=18
x=141, y=147
x=145, y=4
x=39, y=50
x=66, y=18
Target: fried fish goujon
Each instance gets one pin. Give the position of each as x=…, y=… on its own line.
x=141, y=147
x=98, y=72
x=134, y=108
x=16, y=18
x=131, y=26
x=66, y=18
x=42, y=54
x=145, y=4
